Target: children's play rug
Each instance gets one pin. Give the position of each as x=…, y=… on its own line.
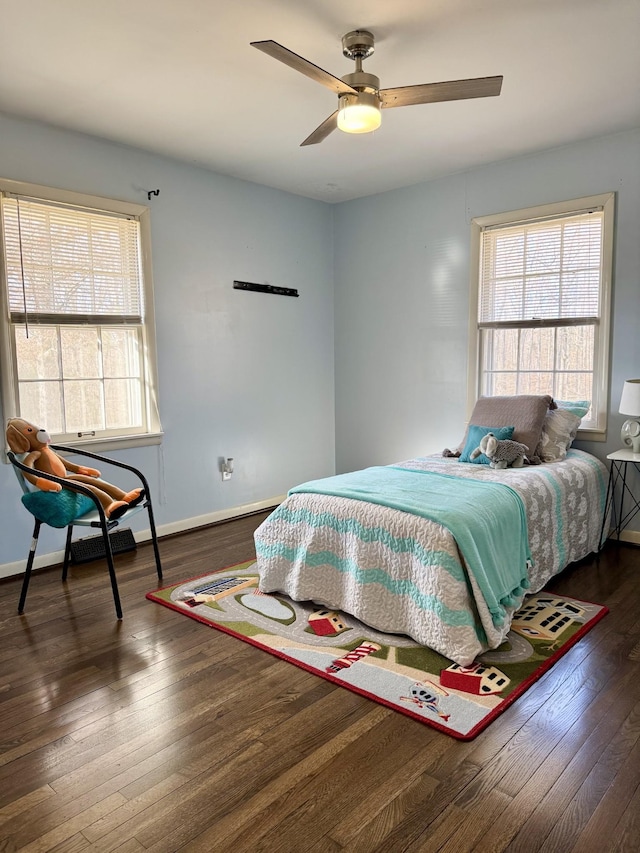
x=388, y=668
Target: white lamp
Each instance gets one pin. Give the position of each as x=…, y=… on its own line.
x=359, y=113
x=630, y=405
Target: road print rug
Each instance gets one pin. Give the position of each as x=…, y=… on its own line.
x=388, y=668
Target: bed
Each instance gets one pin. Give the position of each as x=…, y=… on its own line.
x=406, y=573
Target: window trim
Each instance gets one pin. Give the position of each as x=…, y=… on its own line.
x=8, y=376
x=602, y=355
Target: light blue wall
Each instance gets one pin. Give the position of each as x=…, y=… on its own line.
x=247, y=375
x=401, y=323
x=252, y=375
x=402, y=289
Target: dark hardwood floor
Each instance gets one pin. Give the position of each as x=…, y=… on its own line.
x=160, y=734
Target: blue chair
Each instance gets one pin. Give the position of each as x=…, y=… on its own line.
x=77, y=506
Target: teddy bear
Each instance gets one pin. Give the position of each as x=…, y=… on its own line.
x=23, y=437
x=501, y=453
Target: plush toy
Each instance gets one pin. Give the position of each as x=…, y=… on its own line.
x=501, y=453
x=23, y=437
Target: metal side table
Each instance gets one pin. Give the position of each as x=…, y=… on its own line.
x=620, y=461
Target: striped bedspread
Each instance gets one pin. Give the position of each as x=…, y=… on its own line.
x=487, y=521
x=403, y=573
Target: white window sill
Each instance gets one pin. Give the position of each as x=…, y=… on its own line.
x=591, y=435
x=98, y=445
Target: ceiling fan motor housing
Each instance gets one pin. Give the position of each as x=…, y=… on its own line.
x=358, y=44
x=362, y=81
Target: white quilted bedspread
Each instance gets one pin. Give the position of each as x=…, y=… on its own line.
x=401, y=573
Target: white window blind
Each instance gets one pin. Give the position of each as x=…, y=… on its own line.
x=65, y=263
x=77, y=341
x=542, y=271
x=541, y=304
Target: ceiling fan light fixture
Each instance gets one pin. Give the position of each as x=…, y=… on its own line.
x=359, y=113
x=360, y=98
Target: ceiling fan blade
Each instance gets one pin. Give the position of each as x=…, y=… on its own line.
x=453, y=90
x=298, y=63
x=322, y=131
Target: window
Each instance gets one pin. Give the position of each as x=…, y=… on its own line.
x=78, y=342
x=540, y=304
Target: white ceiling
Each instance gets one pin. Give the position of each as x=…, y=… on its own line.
x=179, y=78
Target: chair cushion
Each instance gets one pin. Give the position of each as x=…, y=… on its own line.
x=58, y=509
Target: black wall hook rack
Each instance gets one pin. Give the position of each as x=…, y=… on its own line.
x=265, y=288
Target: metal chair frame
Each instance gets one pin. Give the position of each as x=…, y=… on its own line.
x=94, y=518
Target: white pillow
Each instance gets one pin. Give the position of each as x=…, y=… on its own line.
x=559, y=429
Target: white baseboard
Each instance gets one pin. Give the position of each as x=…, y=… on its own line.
x=42, y=561
x=8, y=570
x=632, y=536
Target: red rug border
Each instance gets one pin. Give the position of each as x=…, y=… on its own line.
x=470, y=735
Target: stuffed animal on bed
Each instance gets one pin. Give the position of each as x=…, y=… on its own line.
x=23, y=437
x=501, y=453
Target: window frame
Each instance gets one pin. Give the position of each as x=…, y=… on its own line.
x=151, y=432
x=601, y=359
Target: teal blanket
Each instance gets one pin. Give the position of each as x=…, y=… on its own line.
x=487, y=520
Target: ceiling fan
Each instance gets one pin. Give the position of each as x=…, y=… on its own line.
x=360, y=97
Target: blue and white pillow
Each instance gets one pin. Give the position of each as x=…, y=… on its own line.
x=560, y=428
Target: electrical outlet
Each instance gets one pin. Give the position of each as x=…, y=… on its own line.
x=227, y=467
